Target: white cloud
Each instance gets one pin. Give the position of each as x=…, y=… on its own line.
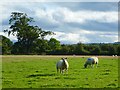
x=62, y=14
x=98, y=16
x=85, y=36
x=46, y=15
x=112, y=37
x=11, y=37
x=5, y=12
x=72, y=38
x=69, y=38
x=103, y=37
x=59, y=14
x=66, y=38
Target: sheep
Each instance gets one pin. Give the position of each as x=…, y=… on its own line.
x=91, y=61
x=113, y=55
x=62, y=65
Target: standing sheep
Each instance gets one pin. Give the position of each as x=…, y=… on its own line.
x=62, y=65
x=91, y=61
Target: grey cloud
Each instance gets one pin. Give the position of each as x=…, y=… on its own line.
x=95, y=26
x=94, y=6
x=66, y=27
x=104, y=39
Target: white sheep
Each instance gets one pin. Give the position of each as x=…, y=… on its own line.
x=62, y=65
x=113, y=55
x=91, y=61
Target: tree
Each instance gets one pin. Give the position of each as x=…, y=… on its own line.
x=54, y=44
x=41, y=46
x=0, y=44
x=26, y=34
x=96, y=50
x=6, y=45
x=80, y=49
x=112, y=50
x=65, y=50
x=118, y=50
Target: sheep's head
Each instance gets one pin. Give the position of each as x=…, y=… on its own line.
x=64, y=62
x=85, y=65
x=64, y=59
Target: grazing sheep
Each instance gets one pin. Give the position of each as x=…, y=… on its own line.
x=62, y=65
x=113, y=55
x=91, y=61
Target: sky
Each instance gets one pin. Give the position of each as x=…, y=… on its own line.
x=72, y=22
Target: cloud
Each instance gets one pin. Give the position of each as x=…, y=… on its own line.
x=63, y=19
x=69, y=38
x=94, y=6
x=72, y=22
x=95, y=26
x=65, y=15
x=47, y=13
x=102, y=37
x=84, y=16
x=46, y=16
x=3, y=1
x=85, y=36
x=11, y=37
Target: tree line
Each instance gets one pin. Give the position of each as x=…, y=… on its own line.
x=53, y=47
x=31, y=40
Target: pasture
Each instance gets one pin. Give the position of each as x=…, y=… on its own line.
x=40, y=72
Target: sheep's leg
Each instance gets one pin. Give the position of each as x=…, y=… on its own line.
x=57, y=70
x=60, y=70
x=92, y=65
x=66, y=71
x=88, y=66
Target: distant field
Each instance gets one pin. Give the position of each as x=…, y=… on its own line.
x=40, y=72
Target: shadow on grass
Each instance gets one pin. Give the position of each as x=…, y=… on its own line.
x=70, y=78
x=112, y=84
x=105, y=74
x=107, y=70
x=36, y=75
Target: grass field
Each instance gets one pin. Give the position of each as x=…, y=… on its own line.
x=40, y=72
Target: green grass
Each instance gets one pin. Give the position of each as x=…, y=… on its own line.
x=40, y=72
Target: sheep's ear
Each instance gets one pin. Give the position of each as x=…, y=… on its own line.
x=62, y=58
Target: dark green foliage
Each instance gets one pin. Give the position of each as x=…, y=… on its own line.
x=41, y=46
x=6, y=45
x=118, y=50
x=26, y=33
x=53, y=47
x=54, y=44
x=0, y=44
x=96, y=50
